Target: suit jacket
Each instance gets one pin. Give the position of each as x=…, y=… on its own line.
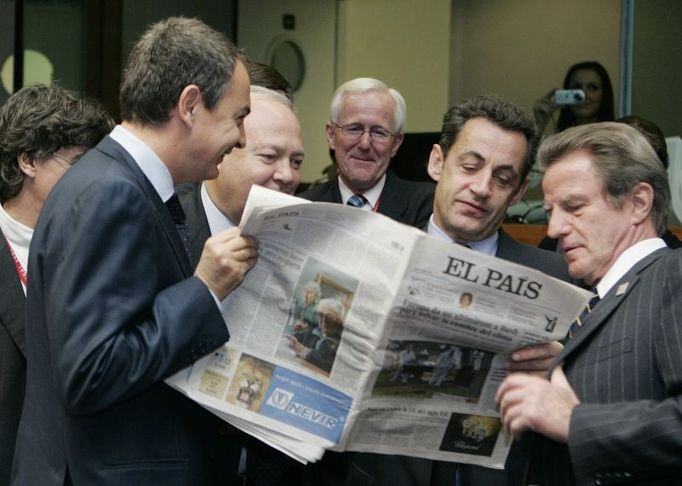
x=393, y=470
x=112, y=310
x=625, y=366
x=406, y=201
x=12, y=358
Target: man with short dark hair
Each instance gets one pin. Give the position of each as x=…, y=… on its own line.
x=365, y=131
x=112, y=306
x=611, y=413
x=481, y=164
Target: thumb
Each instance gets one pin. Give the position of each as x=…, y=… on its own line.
x=559, y=378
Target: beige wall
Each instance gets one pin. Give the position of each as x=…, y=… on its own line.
x=435, y=52
x=521, y=49
x=260, y=25
x=405, y=43
x=656, y=66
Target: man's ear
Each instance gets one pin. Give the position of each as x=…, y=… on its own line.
x=520, y=192
x=26, y=165
x=642, y=202
x=436, y=161
x=329, y=130
x=398, y=142
x=189, y=101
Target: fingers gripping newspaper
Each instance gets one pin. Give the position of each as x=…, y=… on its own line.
x=355, y=332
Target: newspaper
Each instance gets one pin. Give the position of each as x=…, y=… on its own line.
x=355, y=332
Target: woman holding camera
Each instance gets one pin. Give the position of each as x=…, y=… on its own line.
x=593, y=80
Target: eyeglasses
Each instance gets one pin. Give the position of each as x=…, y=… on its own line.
x=354, y=131
x=67, y=161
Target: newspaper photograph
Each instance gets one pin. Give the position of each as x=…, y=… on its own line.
x=355, y=332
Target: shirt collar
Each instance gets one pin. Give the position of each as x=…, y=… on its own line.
x=217, y=221
x=372, y=195
x=626, y=261
x=150, y=164
x=487, y=246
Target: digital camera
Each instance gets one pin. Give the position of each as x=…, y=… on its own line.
x=569, y=97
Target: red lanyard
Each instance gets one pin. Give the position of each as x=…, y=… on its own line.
x=17, y=264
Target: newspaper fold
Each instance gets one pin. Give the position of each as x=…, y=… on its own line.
x=355, y=332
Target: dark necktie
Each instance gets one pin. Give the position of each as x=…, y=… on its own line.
x=583, y=315
x=175, y=209
x=357, y=201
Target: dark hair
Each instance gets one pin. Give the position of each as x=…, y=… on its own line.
x=503, y=113
x=605, y=113
x=171, y=55
x=621, y=156
x=39, y=120
x=268, y=77
x=651, y=132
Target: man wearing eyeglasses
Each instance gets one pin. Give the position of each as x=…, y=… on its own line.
x=365, y=131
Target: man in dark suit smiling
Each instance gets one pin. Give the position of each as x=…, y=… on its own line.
x=112, y=306
x=365, y=131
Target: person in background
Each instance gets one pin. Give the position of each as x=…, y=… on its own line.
x=365, y=130
x=593, y=79
x=481, y=164
x=266, y=76
x=612, y=411
x=44, y=130
x=655, y=137
x=113, y=307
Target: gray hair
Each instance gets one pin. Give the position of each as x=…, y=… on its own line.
x=331, y=306
x=365, y=85
x=274, y=94
x=621, y=156
x=499, y=111
x=171, y=55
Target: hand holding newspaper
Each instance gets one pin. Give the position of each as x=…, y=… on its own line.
x=355, y=332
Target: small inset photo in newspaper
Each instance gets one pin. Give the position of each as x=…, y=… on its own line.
x=421, y=369
x=471, y=434
x=314, y=327
x=250, y=382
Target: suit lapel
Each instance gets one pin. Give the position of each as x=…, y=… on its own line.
x=608, y=305
x=392, y=202
x=13, y=299
x=507, y=248
x=111, y=148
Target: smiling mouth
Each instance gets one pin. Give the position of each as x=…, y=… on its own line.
x=363, y=160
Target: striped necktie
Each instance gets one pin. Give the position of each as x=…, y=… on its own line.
x=357, y=201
